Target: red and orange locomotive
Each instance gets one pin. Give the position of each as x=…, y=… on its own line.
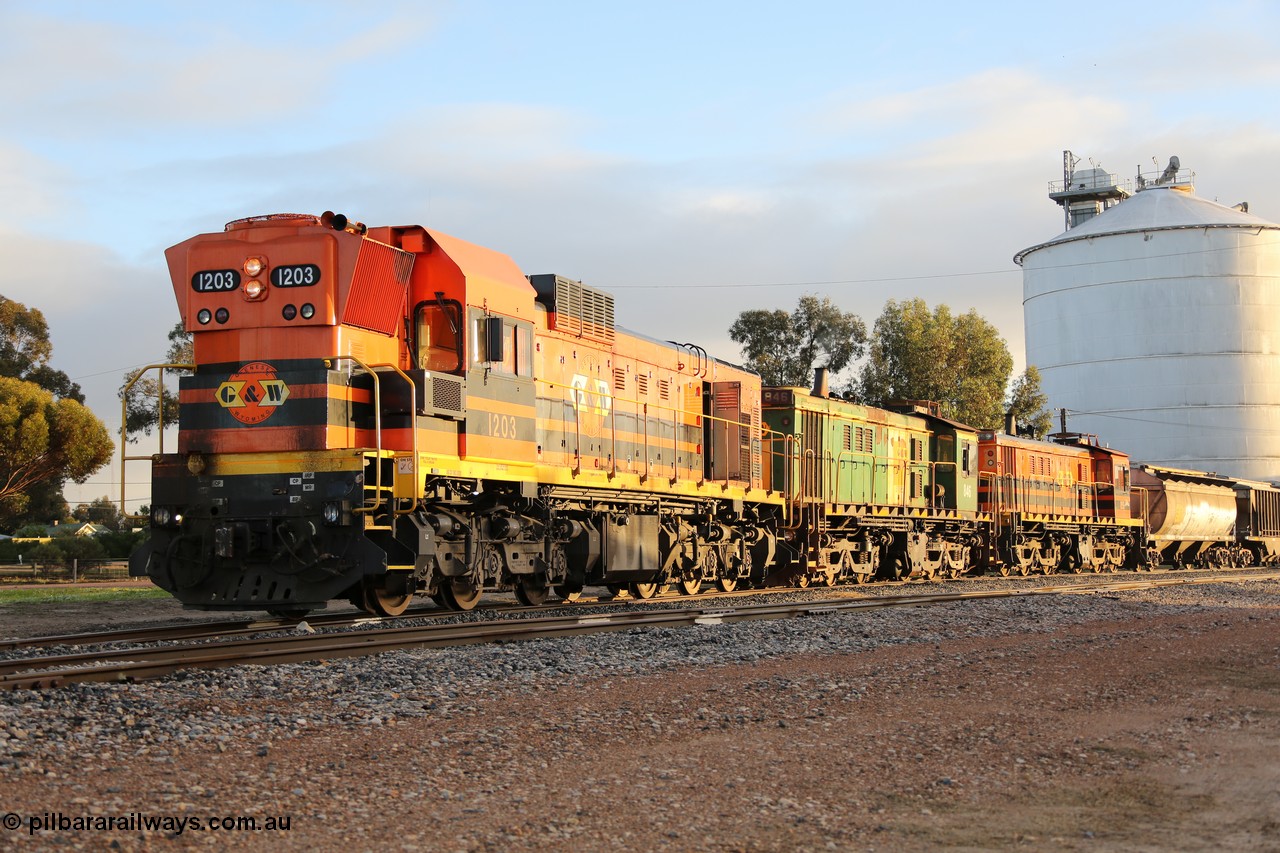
x=379, y=412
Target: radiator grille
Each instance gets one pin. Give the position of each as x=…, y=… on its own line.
x=378, y=285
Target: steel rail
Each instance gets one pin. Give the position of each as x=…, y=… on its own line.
x=231, y=627
x=152, y=662
x=226, y=628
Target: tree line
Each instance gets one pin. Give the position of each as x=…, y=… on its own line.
x=47, y=435
x=959, y=361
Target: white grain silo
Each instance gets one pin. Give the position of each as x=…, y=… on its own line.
x=1156, y=323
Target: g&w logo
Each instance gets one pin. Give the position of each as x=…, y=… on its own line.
x=253, y=393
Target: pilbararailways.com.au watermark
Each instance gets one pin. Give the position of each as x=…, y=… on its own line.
x=142, y=821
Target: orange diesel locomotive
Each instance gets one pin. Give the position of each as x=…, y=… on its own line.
x=377, y=412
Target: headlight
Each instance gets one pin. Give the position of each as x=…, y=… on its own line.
x=332, y=512
x=254, y=289
x=161, y=516
x=253, y=266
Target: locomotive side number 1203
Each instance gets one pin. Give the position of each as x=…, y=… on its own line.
x=502, y=426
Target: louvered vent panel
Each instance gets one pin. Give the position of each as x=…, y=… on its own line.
x=378, y=285
x=727, y=396
x=583, y=311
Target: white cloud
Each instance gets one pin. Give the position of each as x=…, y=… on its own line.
x=212, y=75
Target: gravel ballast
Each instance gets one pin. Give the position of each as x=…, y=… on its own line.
x=1134, y=720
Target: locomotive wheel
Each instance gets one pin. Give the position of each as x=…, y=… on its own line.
x=530, y=594
x=802, y=580
x=726, y=584
x=1005, y=570
x=643, y=590
x=828, y=577
x=862, y=577
x=460, y=595
x=690, y=587
x=898, y=570
x=383, y=603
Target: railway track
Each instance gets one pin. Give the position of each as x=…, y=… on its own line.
x=243, y=627
x=146, y=662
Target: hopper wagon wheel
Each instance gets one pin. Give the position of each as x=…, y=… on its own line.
x=726, y=584
x=461, y=594
x=530, y=593
x=690, y=587
x=568, y=593
x=618, y=590
x=643, y=590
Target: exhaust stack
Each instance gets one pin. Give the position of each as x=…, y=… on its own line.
x=820, y=383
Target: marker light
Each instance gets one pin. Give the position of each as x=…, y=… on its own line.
x=222, y=315
x=308, y=310
x=204, y=316
x=252, y=267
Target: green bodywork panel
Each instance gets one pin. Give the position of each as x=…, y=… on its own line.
x=824, y=450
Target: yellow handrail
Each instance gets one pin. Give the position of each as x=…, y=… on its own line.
x=124, y=414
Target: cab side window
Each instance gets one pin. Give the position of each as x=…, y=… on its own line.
x=438, y=329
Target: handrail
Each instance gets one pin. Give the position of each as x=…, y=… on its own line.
x=377, y=424
x=124, y=414
x=413, y=430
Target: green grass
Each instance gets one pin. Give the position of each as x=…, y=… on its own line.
x=54, y=595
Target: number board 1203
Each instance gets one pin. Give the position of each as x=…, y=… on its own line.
x=295, y=275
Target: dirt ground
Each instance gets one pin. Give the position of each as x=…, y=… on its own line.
x=1152, y=734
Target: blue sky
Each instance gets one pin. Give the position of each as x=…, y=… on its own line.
x=696, y=159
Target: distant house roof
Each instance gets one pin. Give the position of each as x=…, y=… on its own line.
x=77, y=528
